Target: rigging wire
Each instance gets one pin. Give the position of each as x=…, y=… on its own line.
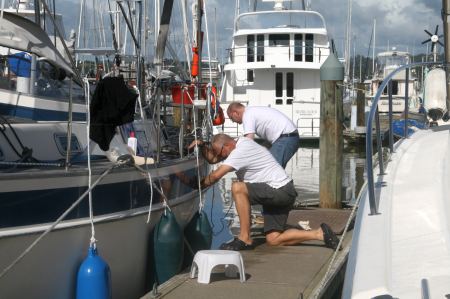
x=88, y=149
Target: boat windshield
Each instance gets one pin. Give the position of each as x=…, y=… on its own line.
x=391, y=62
x=280, y=19
x=16, y=73
x=214, y=65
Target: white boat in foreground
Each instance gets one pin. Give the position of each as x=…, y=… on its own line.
x=401, y=240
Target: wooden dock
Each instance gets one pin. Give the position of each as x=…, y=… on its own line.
x=275, y=272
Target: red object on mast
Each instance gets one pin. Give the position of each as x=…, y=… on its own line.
x=195, y=60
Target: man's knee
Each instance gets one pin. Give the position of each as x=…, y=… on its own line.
x=238, y=187
x=272, y=238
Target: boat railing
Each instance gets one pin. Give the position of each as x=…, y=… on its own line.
x=279, y=53
x=374, y=115
x=280, y=18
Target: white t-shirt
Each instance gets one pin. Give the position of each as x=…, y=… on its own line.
x=253, y=163
x=268, y=123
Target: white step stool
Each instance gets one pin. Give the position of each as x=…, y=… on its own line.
x=206, y=260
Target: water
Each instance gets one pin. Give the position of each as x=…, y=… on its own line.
x=304, y=169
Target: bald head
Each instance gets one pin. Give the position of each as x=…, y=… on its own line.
x=222, y=145
x=221, y=139
x=235, y=112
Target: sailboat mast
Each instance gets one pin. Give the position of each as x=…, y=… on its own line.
x=348, y=42
x=373, y=48
x=215, y=33
x=446, y=16
x=199, y=43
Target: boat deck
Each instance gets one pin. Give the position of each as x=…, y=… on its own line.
x=404, y=249
x=274, y=272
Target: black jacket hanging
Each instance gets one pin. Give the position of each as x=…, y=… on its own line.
x=112, y=105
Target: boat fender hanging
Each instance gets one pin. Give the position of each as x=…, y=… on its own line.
x=198, y=232
x=168, y=247
x=195, y=60
x=94, y=277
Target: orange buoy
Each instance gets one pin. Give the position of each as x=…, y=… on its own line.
x=195, y=60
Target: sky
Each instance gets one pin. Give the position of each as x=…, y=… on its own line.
x=399, y=23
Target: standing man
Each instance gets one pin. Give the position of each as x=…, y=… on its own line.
x=261, y=180
x=269, y=124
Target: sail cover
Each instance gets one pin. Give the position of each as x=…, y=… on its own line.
x=19, y=33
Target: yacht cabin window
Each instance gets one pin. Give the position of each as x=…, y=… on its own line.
x=250, y=48
x=394, y=88
x=278, y=85
x=298, y=47
x=309, y=47
x=289, y=85
x=250, y=76
x=260, y=47
x=278, y=40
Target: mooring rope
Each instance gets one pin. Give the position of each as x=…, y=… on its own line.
x=88, y=149
x=341, y=240
x=207, y=41
x=196, y=152
x=48, y=230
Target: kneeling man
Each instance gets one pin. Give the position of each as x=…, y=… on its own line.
x=261, y=180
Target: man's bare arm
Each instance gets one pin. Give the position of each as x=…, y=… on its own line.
x=216, y=175
x=250, y=135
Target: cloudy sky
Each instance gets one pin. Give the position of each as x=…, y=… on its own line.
x=400, y=23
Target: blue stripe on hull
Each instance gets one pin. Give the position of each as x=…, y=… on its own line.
x=43, y=206
x=39, y=114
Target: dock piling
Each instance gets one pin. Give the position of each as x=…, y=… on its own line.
x=331, y=139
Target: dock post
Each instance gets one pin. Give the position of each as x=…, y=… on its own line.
x=360, y=105
x=331, y=141
x=446, y=21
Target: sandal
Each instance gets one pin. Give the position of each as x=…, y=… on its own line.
x=329, y=237
x=236, y=244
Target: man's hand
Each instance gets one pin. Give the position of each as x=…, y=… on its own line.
x=193, y=182
x=194, y=143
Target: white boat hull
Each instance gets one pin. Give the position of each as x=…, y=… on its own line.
x=404, y=250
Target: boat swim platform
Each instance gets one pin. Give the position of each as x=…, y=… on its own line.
x=275, y=272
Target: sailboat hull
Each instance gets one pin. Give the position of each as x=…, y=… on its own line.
x=32, y=199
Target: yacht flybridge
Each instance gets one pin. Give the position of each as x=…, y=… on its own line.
x=275, y=60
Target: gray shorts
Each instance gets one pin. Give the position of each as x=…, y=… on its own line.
x=276, y=203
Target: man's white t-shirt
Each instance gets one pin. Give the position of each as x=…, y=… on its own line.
x=268, y=123
x=253, y=163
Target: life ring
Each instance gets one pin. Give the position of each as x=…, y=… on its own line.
x=218, y=117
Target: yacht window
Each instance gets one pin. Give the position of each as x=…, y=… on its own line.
x=309, y=47
x=278, y=40
x=279, y=102
x=290, y=85
x=250, y=77
x=278, y=85
x=394, y=88
x=260, y=47
x=298, y=47
x=2, y=156
x=250, y=48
